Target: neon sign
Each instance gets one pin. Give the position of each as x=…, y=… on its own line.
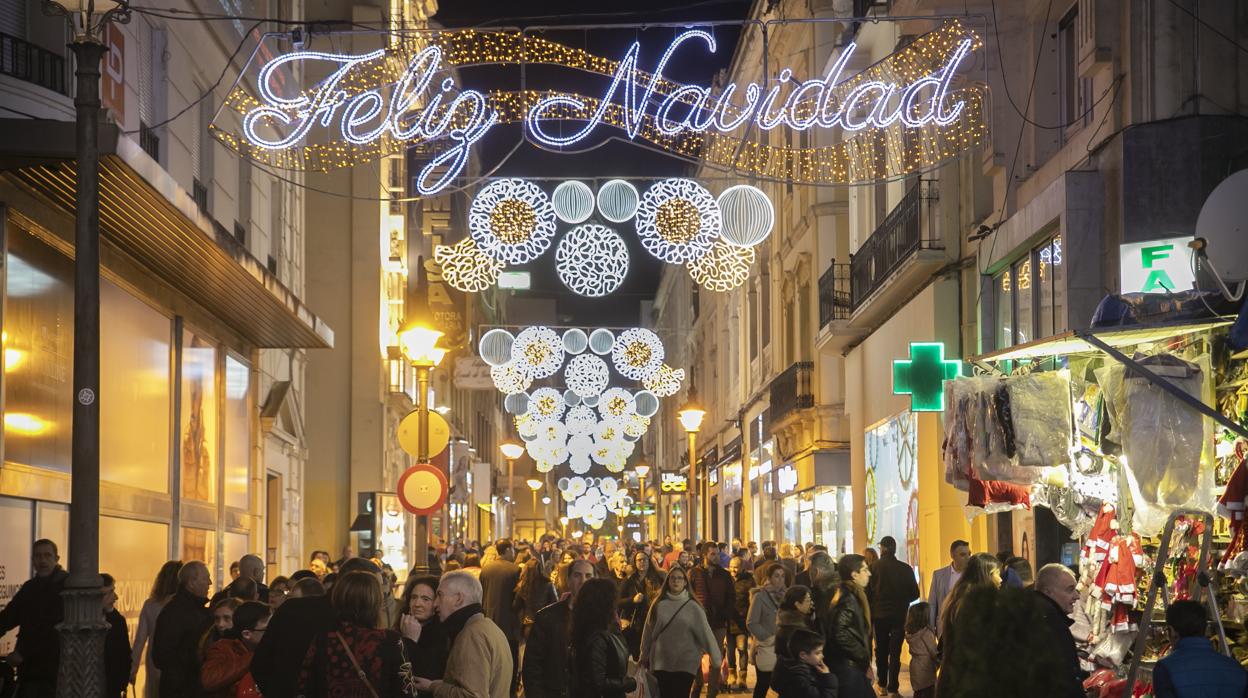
x=383, y=101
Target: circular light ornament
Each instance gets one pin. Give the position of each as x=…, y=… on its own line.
x=465, y=267
x=575, y=341
x=617, y=200
x=573, y=201
x=615, y=405
x=544, y=467
x=724, y=268
x=592, y=260
x=638, y=353
x=587, y=375
x=580, y=463
x=516, y=403
x=607, y=432
x=748, y=215
x=495, y=347
x=646, y=403
x=512, y=220
x=609, y=486
x=510, y=379
x=601, y=340
x=546, y=405
x=571, y=398
x=580, y=420
x=538, y=351
x=562, y=484
x=678, y=220
x=552, y=433
x=590, y=401
x=635, y=426
x=666, y=381
x=542, y=451
x=527, y=426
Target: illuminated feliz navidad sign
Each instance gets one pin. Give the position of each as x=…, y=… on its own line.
x=901, y=115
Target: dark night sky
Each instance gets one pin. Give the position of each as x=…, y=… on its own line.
x=614, y=157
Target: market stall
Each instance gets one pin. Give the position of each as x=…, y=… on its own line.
x=1134, y=439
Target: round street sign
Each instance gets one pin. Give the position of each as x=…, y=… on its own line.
x=439, y=433
x=422, y=489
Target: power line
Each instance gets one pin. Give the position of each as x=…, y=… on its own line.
x=1209, y=26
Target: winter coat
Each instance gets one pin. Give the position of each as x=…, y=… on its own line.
x=600, y=669
x=846, y=630
x=277, y=660
x=787, y=623
x=327, y=668
x=632, y=612
x=227, y=670
x=37, y=608
x=715, y=589
x=116, y=655
x=892, y=589
x=1195, y=668
x=797, y=679
x=743, y=587
x=924, y=658
x=142, y=639
x=175, y=644
x=480, y=662
x=764, y=610
x=428, y=655
x=545, y=667
x=1057, y=627
x=498, y=589
x=677, y=635
x=262, y=592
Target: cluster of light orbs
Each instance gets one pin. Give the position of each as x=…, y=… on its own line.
x=592, y=499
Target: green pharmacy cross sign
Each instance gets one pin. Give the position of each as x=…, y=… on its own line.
x=923, y=376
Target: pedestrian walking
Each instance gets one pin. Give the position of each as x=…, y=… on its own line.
x=847, y=629
x=639, y=590
x=824, y=582
x=982, y=572
x=715, y=589
x=945, y=578
x=179, y=628
x=598, y=656
x=890, y=592
x=1056, y=593
x=1194, y=669
x=250, y=567
x=546, y=652
x=356, y=657
x=737, y=644
x=764, y=611
x=36, y=609
x=533, y=593
x=806, y=674
x=163, y=589
x=424, y=637
x=116, y=642
x=226, y=672
x=924, y=653
x=479, y=665
x=796, y=613
x=499, y=579
x=676, y=637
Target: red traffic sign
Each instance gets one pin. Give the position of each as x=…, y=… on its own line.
x=422, y=489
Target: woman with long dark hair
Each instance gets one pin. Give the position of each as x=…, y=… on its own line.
x=676, y=636
x=598, y=658
x=424, y=637
x=797, y=612
x=163, y=589
x=983, y=572
x=847, y=629
x=357, y=657
x=642, y=586
x=533, y=592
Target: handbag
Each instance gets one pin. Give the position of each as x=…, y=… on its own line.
x=358, y=671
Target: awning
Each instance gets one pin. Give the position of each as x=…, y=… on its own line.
x=148, y=217
x=1075, y=341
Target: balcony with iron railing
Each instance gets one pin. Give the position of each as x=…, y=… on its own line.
x=792, y=390
x=835, y=300
x=34, y=64
x=899, y=254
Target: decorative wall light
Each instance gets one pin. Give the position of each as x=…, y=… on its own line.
x=538, y=351
x=587, y=375
x=592, y=260
x=723, y=268
x=747, y=213
x=677, y=220
x=573, y=201
x=512, y=220
x=465, y=267
x=638, y=353
x=617, y=200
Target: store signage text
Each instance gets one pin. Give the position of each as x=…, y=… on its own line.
x=674, y=483
x=786, y=479
x=1157, y=266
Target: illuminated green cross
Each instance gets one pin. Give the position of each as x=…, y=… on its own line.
x=922, y=376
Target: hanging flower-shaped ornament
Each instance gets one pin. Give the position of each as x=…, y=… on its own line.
x=538, y=351
x=587, y=375
x=465, y=267
x=666, y=381
x=580, y=420
x=512, y=220
x=724, y=268
x=546, y=405
x=635, y=425
x=616, y=405
x=510, y=379
x=527, y=426
x=638, y=353
x=678, y=220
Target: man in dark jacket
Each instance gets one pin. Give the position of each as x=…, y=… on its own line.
x=892, y=589
x=546, y=652
x=36, y=608
x=1193, y=667
x=175, y=642
x=1056, y=593
x=275, y=665
x=251, y=567
x=116, y=642
x=715, y=589
x=498, y=589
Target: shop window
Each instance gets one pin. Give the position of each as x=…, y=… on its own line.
x=892, y=483
x=1023, y=301
x=237, y=456
x=15, y=521
x=1003, y=304
x=198, y=432
x=132, y=551
x=236, y=547
x=134, y=429
x=38, y=353
x=1029, y=296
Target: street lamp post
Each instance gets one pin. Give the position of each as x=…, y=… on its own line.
x=83, y=627
x=535, y=485
x=419, y=340
x=511, y=451
x=643, y=469
x=691, y=415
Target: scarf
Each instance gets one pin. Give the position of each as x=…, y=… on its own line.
x=455, y=623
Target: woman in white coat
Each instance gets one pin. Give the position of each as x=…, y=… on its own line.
x=676, y=636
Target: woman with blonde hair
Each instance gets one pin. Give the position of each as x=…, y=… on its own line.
x=357, y=657
x=163, y=589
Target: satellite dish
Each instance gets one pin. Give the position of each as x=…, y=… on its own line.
x=1222, y=227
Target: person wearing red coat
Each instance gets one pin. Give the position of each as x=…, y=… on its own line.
x=226, y=672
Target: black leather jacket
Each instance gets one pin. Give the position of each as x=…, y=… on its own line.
x=600, y=669
x=845, y=631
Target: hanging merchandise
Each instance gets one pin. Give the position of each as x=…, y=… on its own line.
x=1231, y=506
x=1040, y=407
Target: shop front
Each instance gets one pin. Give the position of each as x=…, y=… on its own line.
x=815, y=501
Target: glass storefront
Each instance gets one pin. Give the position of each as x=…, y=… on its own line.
x=762, y=505
x=820, y=515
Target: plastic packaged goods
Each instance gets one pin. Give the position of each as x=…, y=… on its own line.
x=1040, y=405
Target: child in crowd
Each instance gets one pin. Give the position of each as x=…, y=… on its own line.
x=923, y=658
x=804, y=675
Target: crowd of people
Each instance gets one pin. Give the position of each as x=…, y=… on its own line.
x=578, y=619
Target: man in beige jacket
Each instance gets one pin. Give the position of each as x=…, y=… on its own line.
x=480, y=663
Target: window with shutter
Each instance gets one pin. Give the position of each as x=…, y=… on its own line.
x=13, y=18
x=144, y=51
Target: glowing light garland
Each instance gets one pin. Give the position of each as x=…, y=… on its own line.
x=546, y=405
x=899, y=116
x=723, y=268
x=495, y=346
x=677, y=220
x=465, y=267
x=592, y=260
x=538, y=351
x=512, y=220
x=615, y=405
x=638, y=353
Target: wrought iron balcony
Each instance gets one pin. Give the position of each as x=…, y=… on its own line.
x=26, y=61
x=835, y=300
x=149, y=141
x=892, y=243
x=792, y=390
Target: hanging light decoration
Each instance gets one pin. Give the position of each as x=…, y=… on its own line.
x=512, y=220
x=587, y=375
x=638, y=353
x=665, y=382
x=495, y=346
x=592, y=260
x=575, y=341
x=748, y=215
x=546, y=405
x=516, y=403
x=601, y=340
x=510, y=378
x=724, y=268
x=580, y=420
x=615, y=405
x=573, y=201
x=617, y=200
x=465, y=267
x=646, y=403
x=677, y=220
x=538, y=351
